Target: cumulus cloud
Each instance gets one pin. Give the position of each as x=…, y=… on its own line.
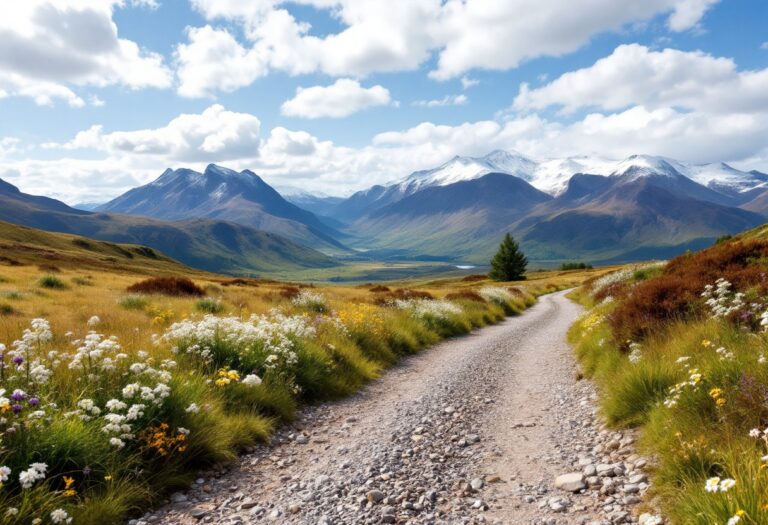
x=467, y=82
x=51, y=46
x=399, y=36
x=341, y=99
x=216, y=134
x=634, y=74
x=448, y=100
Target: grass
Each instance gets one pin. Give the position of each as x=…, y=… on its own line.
x=228, y=392
x=696, y=384
x=52, y=282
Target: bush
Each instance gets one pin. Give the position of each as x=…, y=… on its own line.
x=465, y=295
x=209, y=306
x=173, y=286
x=575, y=266
x=52, y=282
x=6, y=309
x=82, y=281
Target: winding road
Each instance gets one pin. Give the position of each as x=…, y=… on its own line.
x=473, y=430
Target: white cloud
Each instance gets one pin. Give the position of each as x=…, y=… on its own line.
x=688, y=13
x=467, y=82
x=448, y=100
x=381, y=36
x=214, y=61
x=636, y=75
x=8, y=145
x=213, y=135
x=341, y=99
x=51, y=46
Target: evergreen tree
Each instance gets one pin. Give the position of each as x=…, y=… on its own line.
x=509, y=263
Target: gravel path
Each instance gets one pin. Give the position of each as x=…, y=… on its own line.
x=474, y=430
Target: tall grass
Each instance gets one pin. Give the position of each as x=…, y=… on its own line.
x=226, y=390
x=693, y=376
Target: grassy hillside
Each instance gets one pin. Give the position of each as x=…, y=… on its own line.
x=206, y=244
x=124, y=395
x=679, y=350
x=21, y=246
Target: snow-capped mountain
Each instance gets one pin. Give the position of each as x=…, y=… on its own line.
x=552, y=175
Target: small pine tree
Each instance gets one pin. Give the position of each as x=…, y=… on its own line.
x=509, y=263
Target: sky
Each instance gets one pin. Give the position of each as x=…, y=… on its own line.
x=332, y=96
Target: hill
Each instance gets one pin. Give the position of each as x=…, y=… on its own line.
x=211, y=245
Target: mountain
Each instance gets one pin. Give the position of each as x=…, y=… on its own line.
x=643, y=206
x=87, y=206
x=727, y=185
x=638, y=214
x=212, y=245
x=453, y=222
x=224, y=194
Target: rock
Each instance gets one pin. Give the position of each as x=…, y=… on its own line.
x=572, y=482
x=476, y=484
x=198, y=513
x=375, y=496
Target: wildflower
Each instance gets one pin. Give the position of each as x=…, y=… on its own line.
x=12, y=511
x=34, y=473
x=727, y=484
x=117, y=442
x=252, y=380
x=682, y=359
x=193, y=409
x=183, y=430
x=59, y=516
x=5, y=473
x=706, y=343
x=68, y=490
x=712, y=484
x=755, y=433
x=115, y=405
x=108, y=477
x=93, y=321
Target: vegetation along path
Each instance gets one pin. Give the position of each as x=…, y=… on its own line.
x=474, y=430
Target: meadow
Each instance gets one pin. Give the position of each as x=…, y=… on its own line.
x=679, y=351
x=122, y=375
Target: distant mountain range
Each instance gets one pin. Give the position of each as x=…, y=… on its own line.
x=212, y=245
x=560, y=209
x=579, y=207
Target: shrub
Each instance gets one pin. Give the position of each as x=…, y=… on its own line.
x=575, y=266
x=209, y=306
x=310, y=300
x=289, y=292
x=82, y=281
x=6, y=309
x=133, y=302
x=49, y=268
x=465, y=295
x=52, y=282
x=379, y=289
x=240, y=282
x=474, y=278
x=173, y=286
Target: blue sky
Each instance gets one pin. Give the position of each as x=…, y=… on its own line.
x=85, y=119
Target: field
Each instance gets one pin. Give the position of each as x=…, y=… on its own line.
x=680, y=352
x=117, y=387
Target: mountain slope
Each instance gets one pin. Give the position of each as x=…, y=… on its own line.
x=221, y=193
x=622, y=217
x=206, y=244
x=453, y=222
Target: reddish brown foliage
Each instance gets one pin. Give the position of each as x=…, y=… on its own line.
x=402, y=293
x=379, y=289
x=289, y=292
x=474, y=278
x=240, y=282
x=49, y=268
x=465, y=295
x=676, y=294
x=174, y=286
x=515, y=291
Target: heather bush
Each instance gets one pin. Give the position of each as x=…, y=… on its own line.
x=173, y=286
